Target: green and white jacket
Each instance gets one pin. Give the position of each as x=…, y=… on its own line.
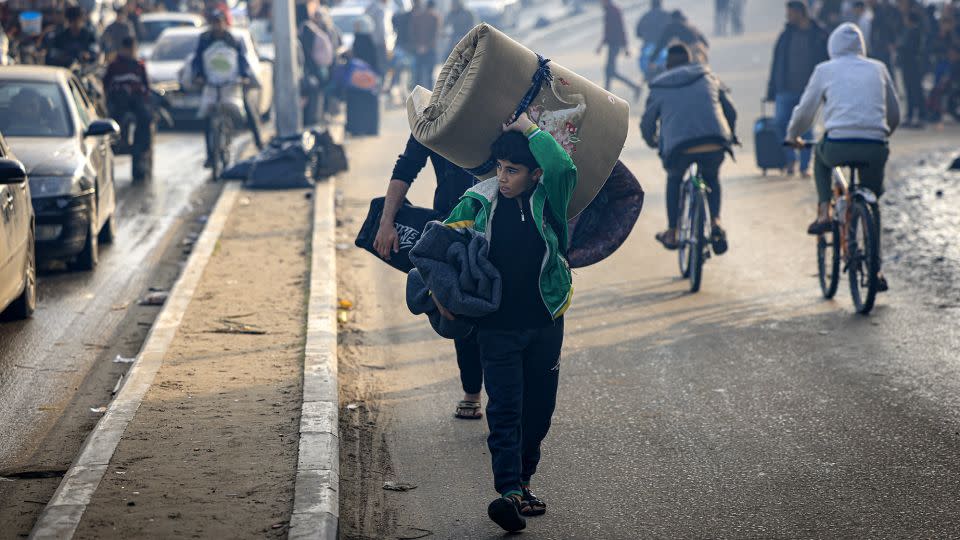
x=478, y=205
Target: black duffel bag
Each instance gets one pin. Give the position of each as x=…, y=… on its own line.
x=287, y=163
x=410, y=222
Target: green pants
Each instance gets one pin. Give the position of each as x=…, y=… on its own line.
x=871, y=154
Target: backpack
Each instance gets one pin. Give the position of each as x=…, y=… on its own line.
x=321, y=52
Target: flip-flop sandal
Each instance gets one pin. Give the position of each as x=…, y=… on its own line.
x=531, y=505
x=671, y=245
x=505, y=512
x=468, y=410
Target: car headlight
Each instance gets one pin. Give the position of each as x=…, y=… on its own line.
x=58, y=186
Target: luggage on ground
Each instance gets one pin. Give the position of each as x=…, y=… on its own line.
x=768, y=143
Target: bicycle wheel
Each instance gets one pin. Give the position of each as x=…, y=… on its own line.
x=684, y=229
x=828, y=261
x=698, y=240
x=225, y=141
x=863, y=261
x=216, y=132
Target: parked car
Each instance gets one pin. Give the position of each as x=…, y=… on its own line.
x=503, y=14
x=53, y=127
x=18, y=265
x=176, y=47
x=153, y=24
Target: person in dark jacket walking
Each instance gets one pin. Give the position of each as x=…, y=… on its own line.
x=615, y=38
x=691, y=119
x=801, y=46
x=883, y=32
x=911, y=57
x=452, y=182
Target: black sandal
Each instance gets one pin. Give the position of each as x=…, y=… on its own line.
x=668, y=240
x=718, y=239
x=505, y=512
x=468, y=410
x=531, y=505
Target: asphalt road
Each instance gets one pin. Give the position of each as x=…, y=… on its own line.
x=44, y=360
x=751, y=409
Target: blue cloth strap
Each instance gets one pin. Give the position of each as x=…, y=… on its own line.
x=541, y=76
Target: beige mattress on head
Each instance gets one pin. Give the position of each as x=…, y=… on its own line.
x=483, y=82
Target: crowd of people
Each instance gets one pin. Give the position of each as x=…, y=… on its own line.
x=918, y=42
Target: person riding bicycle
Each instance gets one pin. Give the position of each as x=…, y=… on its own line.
x=860, y=112
x=75, y=43
x=128, y=90
x=681, y=30
x=219, y=50
x=649, y=29
x=697, y=124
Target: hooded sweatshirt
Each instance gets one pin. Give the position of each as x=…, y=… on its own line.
x=857, y=94
x=690, y=106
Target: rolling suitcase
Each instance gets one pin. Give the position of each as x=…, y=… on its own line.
x=767, y=142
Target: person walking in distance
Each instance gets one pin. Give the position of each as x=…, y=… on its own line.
x=721, y=16
x=736, y=16
x=615, y=38
x=912, y=59
x=452, y=182
x=801, y=46
x=424, y=32
x=460, y=20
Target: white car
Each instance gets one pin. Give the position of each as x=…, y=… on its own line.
x=176, y=47
x=153, y=24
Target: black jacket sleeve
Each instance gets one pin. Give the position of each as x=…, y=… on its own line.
x=411, y=161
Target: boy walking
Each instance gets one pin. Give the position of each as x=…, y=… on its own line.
x=522, y=212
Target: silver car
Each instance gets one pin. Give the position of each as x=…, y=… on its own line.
x=18, y=265
x=52, y=125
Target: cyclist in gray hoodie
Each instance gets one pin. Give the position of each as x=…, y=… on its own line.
x=860, y=112
x=691, y=119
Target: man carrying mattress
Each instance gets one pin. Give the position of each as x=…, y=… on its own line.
x=452, y=182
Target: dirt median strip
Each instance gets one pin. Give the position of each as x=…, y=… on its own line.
x=64, y=510
x=212, y=450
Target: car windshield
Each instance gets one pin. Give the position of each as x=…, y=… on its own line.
x=153, y=29
x=175, y=47
x=344, y=21
x=33, y=109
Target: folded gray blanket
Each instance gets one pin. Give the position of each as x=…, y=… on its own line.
x=420, y=302
x=452, y=265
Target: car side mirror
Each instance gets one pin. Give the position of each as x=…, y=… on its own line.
x=99, y=128
x=12, y=171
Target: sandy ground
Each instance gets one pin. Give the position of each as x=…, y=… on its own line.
x=213, y=448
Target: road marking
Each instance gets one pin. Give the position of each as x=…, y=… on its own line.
x=62, y=514
x=316, y=504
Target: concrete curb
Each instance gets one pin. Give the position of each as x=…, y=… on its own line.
x=316, y=501
x=63, y=513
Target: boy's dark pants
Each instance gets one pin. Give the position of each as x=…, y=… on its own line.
x=521, y=369
x=831, y=153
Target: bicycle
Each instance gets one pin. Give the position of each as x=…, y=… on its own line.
x=220, y=134
x=694, y=227
x=854, y=239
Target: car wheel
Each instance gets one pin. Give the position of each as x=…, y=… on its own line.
x=109, y=231
x=88, y=258
x=23, y=307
